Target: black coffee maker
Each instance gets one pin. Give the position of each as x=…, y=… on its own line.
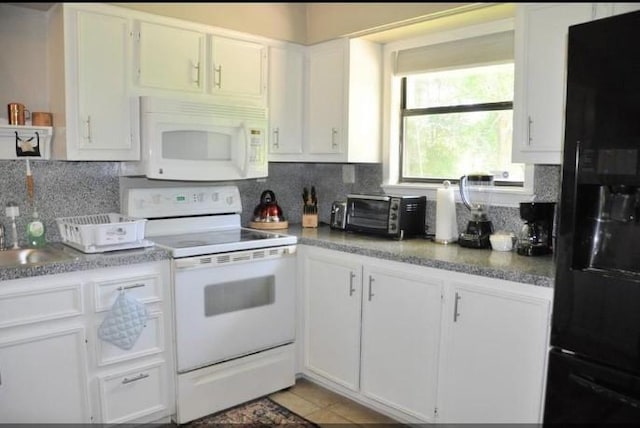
x=536, y=235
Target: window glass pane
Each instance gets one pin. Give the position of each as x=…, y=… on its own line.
x=447, y=146
x=467, y=133
x=486, y=84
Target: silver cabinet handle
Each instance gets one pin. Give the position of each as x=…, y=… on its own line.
x=529, y=125
x=129, y=287
x=334, y=138
x=456, y=314
x=88, y=121
x=276, y=138
x=218, y=70
x=371, y=279
x=351, y=287
x=141, y=376
x=196, y=66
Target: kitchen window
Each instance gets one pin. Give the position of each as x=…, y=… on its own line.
x=458, y=121
x=450, y=110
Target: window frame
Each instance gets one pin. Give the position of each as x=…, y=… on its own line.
x=502, y=195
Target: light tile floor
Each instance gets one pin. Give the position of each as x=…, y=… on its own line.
x=325, y=407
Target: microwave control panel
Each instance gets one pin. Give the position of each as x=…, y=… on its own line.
x=258, y=161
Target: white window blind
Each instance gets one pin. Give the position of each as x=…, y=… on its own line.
x=486, y=49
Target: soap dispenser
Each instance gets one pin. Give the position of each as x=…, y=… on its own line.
x=35, y=228
x=36, y=231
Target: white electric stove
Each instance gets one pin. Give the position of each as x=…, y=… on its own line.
x=234, y=296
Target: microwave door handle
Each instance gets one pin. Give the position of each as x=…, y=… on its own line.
x=246, y=147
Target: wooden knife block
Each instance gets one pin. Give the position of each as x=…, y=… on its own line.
x=309, y=220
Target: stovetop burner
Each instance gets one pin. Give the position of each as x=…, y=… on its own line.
x=212, y=242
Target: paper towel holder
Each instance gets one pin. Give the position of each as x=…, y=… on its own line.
x=446, y=223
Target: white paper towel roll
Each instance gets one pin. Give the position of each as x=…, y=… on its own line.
x=446, y=223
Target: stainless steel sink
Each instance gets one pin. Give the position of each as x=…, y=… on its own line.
x=35, y=256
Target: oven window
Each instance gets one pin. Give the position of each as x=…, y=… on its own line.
x=238, y=295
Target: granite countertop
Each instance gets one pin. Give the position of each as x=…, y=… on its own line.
x=510, y=266
x=82, y=261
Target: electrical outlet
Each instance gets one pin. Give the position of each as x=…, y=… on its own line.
x=348, y=174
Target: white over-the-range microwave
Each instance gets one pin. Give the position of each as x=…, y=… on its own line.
x=188, y=140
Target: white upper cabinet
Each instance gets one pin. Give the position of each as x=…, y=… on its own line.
x=189, y=60
x=93, y=112
x=604, y=10
x=286, y=101
x=327, y=97
x=540, y=78
x=169, y=57
x=344, y=102
x=238, y=68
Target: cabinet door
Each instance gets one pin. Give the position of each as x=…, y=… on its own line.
x=495, y=356
x=238, y=67
x=286, y=80
x=604, y=10
x=43, y=378
x=327, y=97
x=104, y=120
x=540, y=76
x=400, y=339
x=332, y=317
x=170, y=57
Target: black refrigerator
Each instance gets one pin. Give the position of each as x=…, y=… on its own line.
x=594, y=359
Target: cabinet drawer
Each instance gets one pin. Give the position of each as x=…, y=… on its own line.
x=25, y=307
x=134, y=393
x=151, y=341
x=145, y=288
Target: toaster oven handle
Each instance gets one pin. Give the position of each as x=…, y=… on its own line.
x=372, y=197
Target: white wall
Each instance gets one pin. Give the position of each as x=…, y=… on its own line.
x=281, y=21
x=23, y=59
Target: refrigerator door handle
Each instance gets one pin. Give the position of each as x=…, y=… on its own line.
x=604, y=391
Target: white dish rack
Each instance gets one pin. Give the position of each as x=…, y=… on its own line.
x=99, y=233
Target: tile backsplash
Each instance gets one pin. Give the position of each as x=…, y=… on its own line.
x=66, y=188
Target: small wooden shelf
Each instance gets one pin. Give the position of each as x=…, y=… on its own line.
x=33, y=139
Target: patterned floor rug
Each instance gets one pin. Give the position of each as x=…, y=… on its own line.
x=259, y=412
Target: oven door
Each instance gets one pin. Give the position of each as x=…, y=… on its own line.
x=233, y=304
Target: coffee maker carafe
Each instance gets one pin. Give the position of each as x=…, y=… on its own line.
x=536, y=235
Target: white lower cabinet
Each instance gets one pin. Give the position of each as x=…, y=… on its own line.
x=384, y=333
x=400, y=338
x=55, y=368
x=333, y=290
x=43, y=375
x=494, y=351
x=372, y=328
